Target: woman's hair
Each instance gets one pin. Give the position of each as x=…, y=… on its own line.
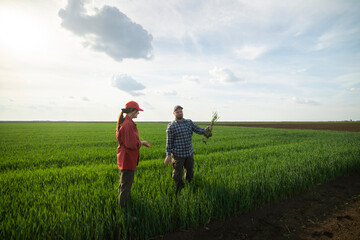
x=121, y=117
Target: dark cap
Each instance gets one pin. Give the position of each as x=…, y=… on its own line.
x=177, y=106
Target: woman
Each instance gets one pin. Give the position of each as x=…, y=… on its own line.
x=128, y=150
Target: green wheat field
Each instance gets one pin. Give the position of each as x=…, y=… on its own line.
x=60, y=180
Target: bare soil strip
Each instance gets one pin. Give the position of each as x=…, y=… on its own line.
x=327, y=211
x=333, y=126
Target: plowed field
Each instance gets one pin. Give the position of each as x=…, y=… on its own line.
x=333, y=126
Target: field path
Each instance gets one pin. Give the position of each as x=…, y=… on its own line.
x=327, y=211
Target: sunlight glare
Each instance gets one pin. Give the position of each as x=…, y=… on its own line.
x=21, y=34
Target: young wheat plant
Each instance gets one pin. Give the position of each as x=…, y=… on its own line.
x=208, y=133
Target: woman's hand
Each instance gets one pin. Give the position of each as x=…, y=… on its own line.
x=145, y=143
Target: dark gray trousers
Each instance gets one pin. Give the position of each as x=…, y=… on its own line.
x=178, y=164
x=126, y=181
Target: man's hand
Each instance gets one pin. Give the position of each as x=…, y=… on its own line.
x=145, y=143
x=167, y=159
x=208, y=131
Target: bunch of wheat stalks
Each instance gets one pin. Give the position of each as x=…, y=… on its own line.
x=208, y=132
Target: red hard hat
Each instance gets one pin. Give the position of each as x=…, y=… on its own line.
x=133, y=104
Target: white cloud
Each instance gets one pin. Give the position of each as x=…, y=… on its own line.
x=250, y=52
x=166, y=93
x=127, y=84
x=297, y=71
x=85, y=99
x=303, y=101
x=108, y=30
x=337, y=36
x=354, y=89
x=191, y=78
x=301, y=70
x=222, y=75
x=351, y=80
x=147, y=106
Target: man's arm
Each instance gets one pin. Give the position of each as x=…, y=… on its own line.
x=169, y=143
x=197, y=129
x=169, y=140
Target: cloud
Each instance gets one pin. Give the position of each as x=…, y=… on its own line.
x=249, y=52
x=354, y=89
x=147, y=106
x=351, y=80
x=39, y=107
x=191, y=78
x=3, y=107
x=167, y=93
x=303, y=101
x=127, y=84
x=337, y=36
x=223, y=76
x=298, y=71
x=85, y=99
x=108, y=30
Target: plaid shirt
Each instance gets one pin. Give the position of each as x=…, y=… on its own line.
x=179, y=137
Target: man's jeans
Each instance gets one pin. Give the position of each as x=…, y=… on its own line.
x=178, y=164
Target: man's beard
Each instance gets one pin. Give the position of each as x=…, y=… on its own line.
x=179, y=117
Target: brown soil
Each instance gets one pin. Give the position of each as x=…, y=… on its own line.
x=327, y=211
x=334, y=126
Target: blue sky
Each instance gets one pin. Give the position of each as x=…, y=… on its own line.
x=247, y=60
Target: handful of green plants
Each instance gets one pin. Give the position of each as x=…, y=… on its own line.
x=208, y=132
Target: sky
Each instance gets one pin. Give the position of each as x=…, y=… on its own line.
x=275, y=60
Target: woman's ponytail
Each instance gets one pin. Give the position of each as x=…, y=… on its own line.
x=121, y=117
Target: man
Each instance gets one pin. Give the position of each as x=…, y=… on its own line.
x=179, y=145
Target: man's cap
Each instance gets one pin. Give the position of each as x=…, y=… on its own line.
x=133, y=104
x=177, y=106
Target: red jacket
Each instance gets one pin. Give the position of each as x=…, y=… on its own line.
x=129, y=145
